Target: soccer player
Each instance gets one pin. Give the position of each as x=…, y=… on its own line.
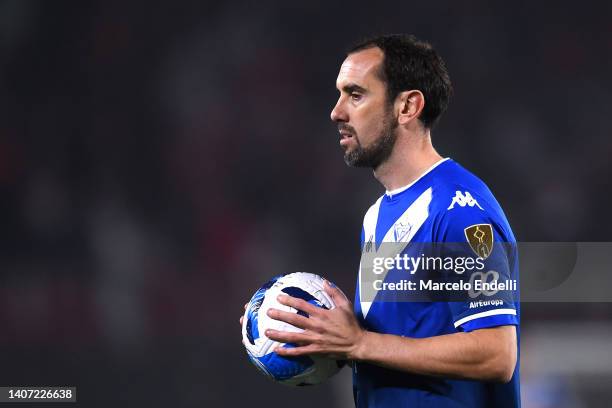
x=393, y=89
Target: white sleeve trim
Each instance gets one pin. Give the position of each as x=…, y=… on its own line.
x=485, y=314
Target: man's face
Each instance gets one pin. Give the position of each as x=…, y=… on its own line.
x=365, y=118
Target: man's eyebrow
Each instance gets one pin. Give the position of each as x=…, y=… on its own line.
x=350, y=88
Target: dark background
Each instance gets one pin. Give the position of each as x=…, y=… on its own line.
x=159, y=162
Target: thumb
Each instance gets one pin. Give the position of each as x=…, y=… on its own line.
x=335, y=293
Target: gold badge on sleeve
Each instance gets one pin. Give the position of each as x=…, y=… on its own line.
x=480, y=238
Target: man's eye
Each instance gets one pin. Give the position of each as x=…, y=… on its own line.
x=355, y=96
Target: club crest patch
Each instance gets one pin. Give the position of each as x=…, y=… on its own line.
x=480, y=238
x=402, y=229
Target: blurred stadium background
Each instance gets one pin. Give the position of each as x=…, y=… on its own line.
x=159, y=162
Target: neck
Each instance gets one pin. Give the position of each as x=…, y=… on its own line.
x=412, y=155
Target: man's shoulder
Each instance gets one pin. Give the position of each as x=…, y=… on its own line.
x=457, y=187
x=451, y=190
x=462, y=200
x=454, y=176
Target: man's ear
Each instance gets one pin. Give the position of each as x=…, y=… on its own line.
x=410, y=104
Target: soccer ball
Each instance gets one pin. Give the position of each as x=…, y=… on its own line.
x=295, y=371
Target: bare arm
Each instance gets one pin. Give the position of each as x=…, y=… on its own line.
x=485, y=354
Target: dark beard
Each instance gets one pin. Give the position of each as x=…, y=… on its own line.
x=376, y=154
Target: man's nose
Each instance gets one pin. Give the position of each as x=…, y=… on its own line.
x=338, y=114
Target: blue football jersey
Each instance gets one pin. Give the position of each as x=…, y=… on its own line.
x=447, y=204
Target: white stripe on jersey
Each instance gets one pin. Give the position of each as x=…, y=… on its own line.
x=369, y=228
x=485, y=314
x=415, y=216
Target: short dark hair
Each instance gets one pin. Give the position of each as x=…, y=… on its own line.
x=408, y=64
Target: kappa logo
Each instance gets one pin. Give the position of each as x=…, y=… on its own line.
x=463, y=199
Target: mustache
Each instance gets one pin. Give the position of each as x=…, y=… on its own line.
x=343, y=127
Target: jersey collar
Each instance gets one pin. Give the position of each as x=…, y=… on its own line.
x=396, y=191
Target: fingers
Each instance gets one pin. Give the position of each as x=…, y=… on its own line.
x=288, y=337
x=291, y=318
x=296, y=351
x=335, y=293
x=299, y=304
